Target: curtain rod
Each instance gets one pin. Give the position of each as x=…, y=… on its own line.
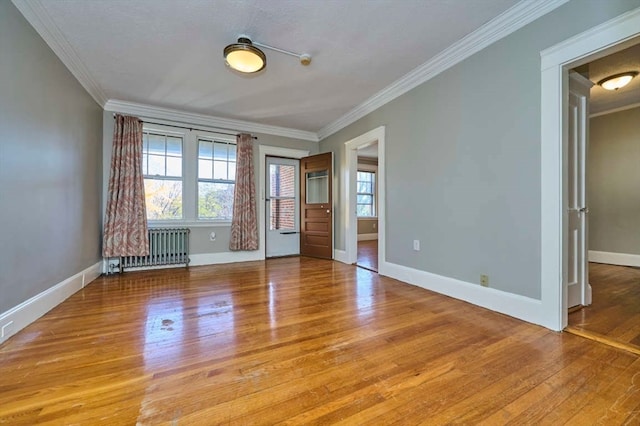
x=192, y=128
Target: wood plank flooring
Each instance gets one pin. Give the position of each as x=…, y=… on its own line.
x=368, y=254
x=615, y=312
x=300, y=341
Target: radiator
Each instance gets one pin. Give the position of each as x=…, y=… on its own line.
x=167, y=246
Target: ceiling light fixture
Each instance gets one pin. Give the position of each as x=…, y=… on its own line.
x=245, y=57
x=617, y=81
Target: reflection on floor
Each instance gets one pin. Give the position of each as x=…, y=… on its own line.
x=615, y=312
x=368, y=254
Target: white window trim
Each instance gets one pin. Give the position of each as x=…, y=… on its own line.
x=370, y=168
x=189, y=175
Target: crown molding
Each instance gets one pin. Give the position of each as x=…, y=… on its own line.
x=40, y=20
x=501, y=26
x=613, y=110
x=159, y=113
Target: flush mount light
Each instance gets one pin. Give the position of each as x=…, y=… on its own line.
x=245, y=57
x=617, y=81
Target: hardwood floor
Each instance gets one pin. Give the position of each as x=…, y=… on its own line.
x=368, y=254
x=615, y=312
x=300, y=341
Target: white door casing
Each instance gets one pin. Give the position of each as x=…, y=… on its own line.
x=555, y=61
x=282, y=207
x=264, y=151
x=350, y=191
x=578, y=288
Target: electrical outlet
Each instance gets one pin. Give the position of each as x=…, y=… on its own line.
x=484, y=280
x=416, y=245
x=6, y=329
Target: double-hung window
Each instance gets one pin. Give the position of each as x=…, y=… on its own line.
x=162, y=170
x=216, y=178
x=366, y=196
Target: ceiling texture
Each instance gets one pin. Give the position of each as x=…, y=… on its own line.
x=167, y=54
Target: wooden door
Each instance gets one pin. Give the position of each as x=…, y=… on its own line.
x=316, y=206
x=578, y=288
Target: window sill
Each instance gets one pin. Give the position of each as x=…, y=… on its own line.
x=368, y=217
x=188, y=224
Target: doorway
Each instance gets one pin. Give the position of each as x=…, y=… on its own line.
x=613, y=35
x=282, y=188
x=367, y=207
x=367, y=144
x=614, y=203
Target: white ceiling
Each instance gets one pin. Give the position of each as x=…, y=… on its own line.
x=168, y=53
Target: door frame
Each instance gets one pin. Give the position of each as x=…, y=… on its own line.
x=599, y=41
x=350, y=191
x=279, y=241
x=272, y=151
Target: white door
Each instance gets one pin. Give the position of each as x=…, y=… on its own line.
x=282, y=187
x=579, y=290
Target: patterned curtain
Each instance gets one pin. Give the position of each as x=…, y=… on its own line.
x=125, y=228
x=244, y=225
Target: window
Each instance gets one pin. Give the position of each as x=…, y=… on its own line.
x=366, y=183
x=216, y=179
x=162, y=170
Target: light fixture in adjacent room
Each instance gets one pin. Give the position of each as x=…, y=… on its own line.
x=245, y=57
x=617, y=81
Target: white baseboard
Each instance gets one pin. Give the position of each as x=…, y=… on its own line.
x=367, y=237
x=340, y=256
x=20, y=316
x=514, y=305
x=610, y=258
x=224, y=257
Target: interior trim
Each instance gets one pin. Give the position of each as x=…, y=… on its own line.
x=501, y=26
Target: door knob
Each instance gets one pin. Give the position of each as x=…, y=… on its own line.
x=328, y=211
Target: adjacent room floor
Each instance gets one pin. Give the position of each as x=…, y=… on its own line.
x=368, y=254
x=301, y=341
x=615, y=312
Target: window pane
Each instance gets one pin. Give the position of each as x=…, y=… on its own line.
x=232, y=152
x=220, y=151
x=215, y=200
x=156, y=144
x=365, y=199
x=156, y=165
x=144, y=165
x=163, y=199
x=365, y=187
x=174, y=146
x=220, y=170
x=232, y=171
x=204, y=169
x=283, y=214
x=364, y=210
x=174, y=166
x=205, y=149
x=282, y=180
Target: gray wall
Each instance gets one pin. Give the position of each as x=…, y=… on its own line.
x=613, y=182
x=199, y=237
x=50, y=160
x=463, y=158
x=367, y=226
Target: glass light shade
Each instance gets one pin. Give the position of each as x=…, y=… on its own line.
x=245, y=57
x=618, y=81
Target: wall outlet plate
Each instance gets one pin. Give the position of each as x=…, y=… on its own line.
x=484, y=280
